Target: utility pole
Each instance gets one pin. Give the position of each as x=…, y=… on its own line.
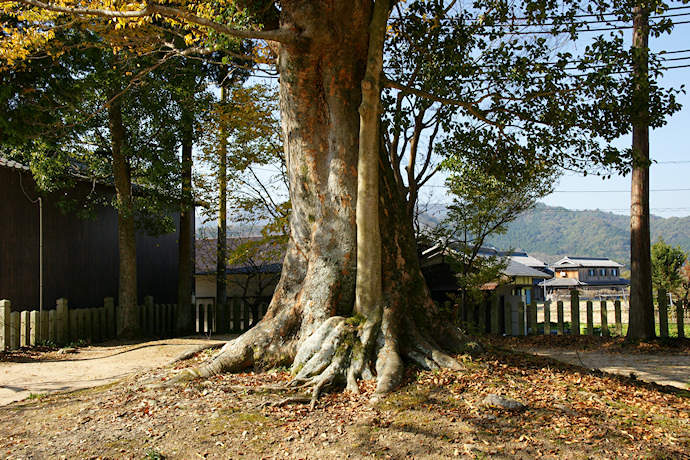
x=641, y=320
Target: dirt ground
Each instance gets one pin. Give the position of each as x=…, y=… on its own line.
x=648, y=362
x=569, y=412
x=28, y=372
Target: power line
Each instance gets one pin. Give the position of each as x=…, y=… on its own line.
x=621, y=191
x=593, y=15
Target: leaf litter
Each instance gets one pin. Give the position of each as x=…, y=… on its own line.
x=569, y=412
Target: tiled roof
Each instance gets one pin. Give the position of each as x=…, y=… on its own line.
x=13, y=164
x=573, y=282
x=586, y=262
x=525, y=259
x=515, y=268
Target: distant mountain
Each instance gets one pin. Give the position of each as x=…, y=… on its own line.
x=551, y=232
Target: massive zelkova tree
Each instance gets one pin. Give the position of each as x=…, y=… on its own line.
x=351, y=301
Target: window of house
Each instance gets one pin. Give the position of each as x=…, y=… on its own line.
x=602, y=272
x=614, y=272
x=592, y=272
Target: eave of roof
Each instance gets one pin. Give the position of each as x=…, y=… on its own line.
x=586, y=262
x=13, y=164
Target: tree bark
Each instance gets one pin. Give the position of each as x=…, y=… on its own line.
x=185, y=265
x=127, y=312
x=312, y=322
x=641, y=321
x=222, y=233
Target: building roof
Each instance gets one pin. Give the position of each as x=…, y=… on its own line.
x=573, y=283
x=13, y=164
x=433, y=256
x=515, y=268
x=586, y=262
x=525, y=259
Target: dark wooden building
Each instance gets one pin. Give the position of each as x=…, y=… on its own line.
x=80, y=256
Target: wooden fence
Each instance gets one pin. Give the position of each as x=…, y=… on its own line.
x=575, y=317
x=234, y=317
x=63, y=325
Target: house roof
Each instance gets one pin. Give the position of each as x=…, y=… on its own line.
x=516, y=268
x=562, y=282
x=434, y=255
x=573, y=282
x=586, y=262
x=13, y=164
x=257, y=258
x=525, y=259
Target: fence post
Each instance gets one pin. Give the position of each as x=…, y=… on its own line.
x=84, y=320
x=34, y=327
x=547, y=317
x=24, y=331
x=533, y=318
x=45, y=325
x=197, y=316
x=480, y=318
x=73, y=326
x=95, y=324
x=679, y=319
x=236, y=314
x=521, y=319
x=574, y=312
x=150, y=318
x=663, y=313
x=559, y=313
x=5, y=311
x=495, y=312
x=590, y=317
x=166, y=320
x=52, y=325
x=147, y=325
x=15, y=322
x=221, y=317
x=604, y=320
x=618, y=317
x=109, y=306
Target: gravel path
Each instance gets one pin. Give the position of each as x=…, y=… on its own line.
x=89, y=366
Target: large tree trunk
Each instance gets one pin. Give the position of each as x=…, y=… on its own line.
x=185, y=265
x=127, y=311
x=306, y=324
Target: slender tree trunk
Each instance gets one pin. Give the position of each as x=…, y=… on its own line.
x=185, y=266
x=127, y=311
x=222, y=233
x=641, y=325
x=310, y=322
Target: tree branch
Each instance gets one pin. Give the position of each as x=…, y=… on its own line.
x=151, y=9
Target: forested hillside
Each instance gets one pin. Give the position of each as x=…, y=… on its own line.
x=553, y=232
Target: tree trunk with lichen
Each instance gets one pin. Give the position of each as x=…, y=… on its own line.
x=314, y=322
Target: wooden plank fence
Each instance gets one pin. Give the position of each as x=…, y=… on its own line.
x=510, y=317
x=234, y=317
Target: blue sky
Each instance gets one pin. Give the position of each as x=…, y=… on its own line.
x=669, y=145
